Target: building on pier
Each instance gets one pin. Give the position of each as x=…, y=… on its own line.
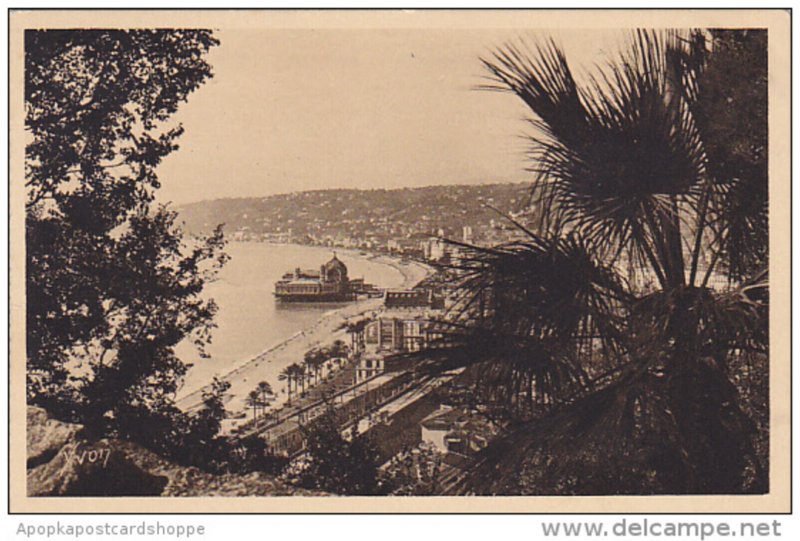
x=329, y=284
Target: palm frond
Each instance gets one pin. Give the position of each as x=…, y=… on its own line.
x=630, y=388
x=628, y=438
x=610, y=153
x=526, y=312
x=656, y=426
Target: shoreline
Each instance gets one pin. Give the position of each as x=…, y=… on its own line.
x=244, y=375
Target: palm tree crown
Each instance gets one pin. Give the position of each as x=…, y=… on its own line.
x=603, y=318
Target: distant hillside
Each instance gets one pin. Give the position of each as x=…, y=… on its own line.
x=315, y=216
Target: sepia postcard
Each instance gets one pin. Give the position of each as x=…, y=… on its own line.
x=399, y=261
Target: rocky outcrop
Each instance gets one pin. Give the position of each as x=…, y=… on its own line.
x=96, y=468
x=45, y=436
x=62, y=462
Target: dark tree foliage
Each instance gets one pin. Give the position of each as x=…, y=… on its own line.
x=251, y=454
x=337, y=464
x=600, y=332
x=731, y=112
x=112, y=284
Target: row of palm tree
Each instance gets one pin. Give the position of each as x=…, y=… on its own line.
x=315, y=362
x=260, y=398
x=294, y=373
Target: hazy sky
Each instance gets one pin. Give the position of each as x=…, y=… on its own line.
x=291, y=110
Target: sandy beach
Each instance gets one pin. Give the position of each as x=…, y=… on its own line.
x=266, y=366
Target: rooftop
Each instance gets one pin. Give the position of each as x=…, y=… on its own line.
x=442, y=419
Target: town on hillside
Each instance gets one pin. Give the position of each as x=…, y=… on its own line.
x=411, y=221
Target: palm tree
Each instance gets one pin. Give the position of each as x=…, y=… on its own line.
x=287, y=375
x=298, y=376
x=356, y=331
x=324, y=363
x=339, y=349
x=266, y=395
x=253, y=400
x=313, y=361
x=599, y=333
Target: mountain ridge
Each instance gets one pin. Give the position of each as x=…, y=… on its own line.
x=355, y=213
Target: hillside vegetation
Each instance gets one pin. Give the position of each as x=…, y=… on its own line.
x=359, y=213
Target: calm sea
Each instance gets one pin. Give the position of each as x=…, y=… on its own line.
x=249, y=319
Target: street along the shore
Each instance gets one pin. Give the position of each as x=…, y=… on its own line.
x=249, y=312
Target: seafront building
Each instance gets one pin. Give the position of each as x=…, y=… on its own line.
x=402, y=326
x=329, y=284
x=390, y=334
